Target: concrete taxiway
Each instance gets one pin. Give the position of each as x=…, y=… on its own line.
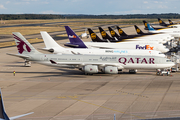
x=54, y=93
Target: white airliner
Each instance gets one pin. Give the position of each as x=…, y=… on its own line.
x=3, y=115
x=90, y=64
x=76, y=42
x=52, y=46
x=84, y=35
x=173, y=31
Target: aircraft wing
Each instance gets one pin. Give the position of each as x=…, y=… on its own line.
x=87, y=63
x=15, y=117
x=18, y=55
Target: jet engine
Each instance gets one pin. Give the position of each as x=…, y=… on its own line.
x=110, y=70
x=90, y=69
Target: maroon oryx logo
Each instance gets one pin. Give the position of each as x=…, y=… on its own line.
x=22, y=46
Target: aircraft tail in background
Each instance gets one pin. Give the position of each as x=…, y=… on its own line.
x=150, y=28
x=162, y=23
x=121, y=32
x=170, y=22
x=105, y=35
x=113, y=33
x=139, y=31
x=75, y=41
x=48, y=40
x=94, y=37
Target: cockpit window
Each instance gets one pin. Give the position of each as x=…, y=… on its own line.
x=168, y=60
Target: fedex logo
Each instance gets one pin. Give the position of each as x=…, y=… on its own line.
x=72, y=36
x=146, y=47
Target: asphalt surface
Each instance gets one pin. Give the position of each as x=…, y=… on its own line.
x=54, y=93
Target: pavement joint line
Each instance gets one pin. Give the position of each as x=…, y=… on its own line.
x=106, y=108
x=136, y=94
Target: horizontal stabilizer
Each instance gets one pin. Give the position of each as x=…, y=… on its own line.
x=71, y=45
x=47, y=49
x=18, y=55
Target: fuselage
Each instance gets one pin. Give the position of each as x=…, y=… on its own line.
x=129, y=45
x=95, y=51
x=120, y=61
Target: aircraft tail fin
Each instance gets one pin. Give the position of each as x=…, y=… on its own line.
x=170, y=22
x=121, y=32
x=139, y=31
x=74, y=39
x=3, y=114
x=162, y=23
x=104, y=34
x=49, y=41
x=145, y=24
x=113, y=33
x=150, y=28
x=93, y=35
x=23, y=46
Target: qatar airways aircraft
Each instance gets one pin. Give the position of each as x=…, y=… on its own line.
x=52, y=46
x=138, y=45
x=90, y=64
x=4, y=116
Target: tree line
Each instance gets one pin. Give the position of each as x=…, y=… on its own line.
x=84, y=16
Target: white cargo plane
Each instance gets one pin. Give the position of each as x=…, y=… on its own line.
x=90, y=64
x=76, y=42
x=3, y=115
x=52, y=46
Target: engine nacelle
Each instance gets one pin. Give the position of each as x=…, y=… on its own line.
x=90, y=69
x=110, y=70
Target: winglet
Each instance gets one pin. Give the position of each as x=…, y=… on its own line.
x=138, y=30
x=74, y=39
x=3, y=114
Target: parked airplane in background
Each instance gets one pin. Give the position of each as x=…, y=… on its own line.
x=3, y=115
x=162, y=23
x=146, y=27
x=84, y=35
x=145, y=45
x=90, y=64
x=174, y=32
x=162, y=38
x=52, y=46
